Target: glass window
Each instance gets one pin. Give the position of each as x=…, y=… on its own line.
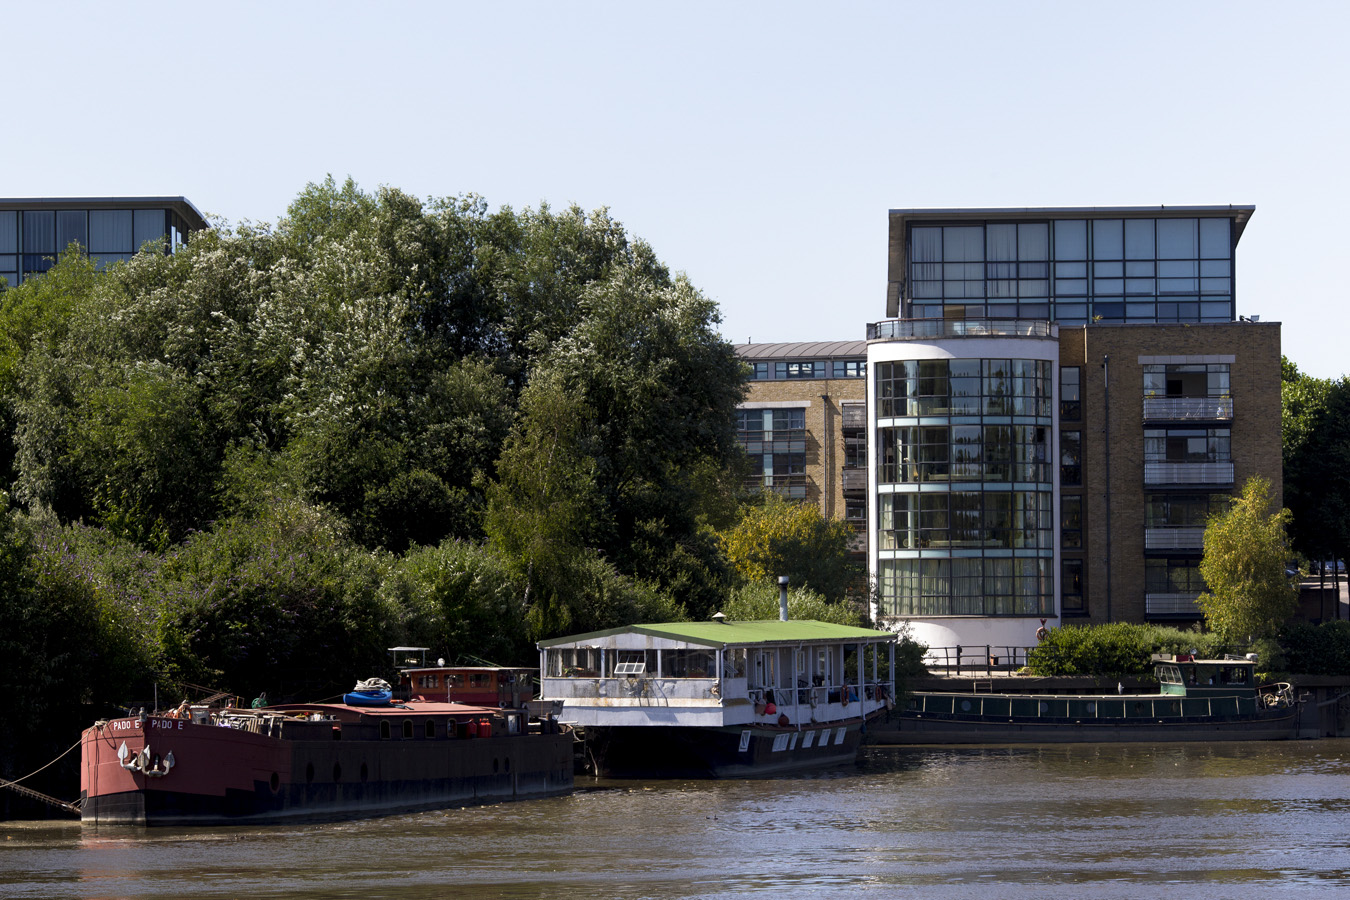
x=1071, y=521
x=1033, y=241
x=71, y=227
x=1215, y=242
x=110, y=231
x=1139, y=239
x=1177, y=239
x=1071, y=457
x=1071, y=586
x=9, y=231
x=1108, y=240
x=1070, y=398
x=148, y=225
x=39, y=231
x=1070, y=240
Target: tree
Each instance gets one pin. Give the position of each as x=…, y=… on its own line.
x=1315, y=427
x=1246, y=551
x=781, y=537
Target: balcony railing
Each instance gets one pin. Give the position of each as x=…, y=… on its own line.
x=910, y=329
x=1174, y=537
x=1188, y=409
x=855, y=480
x=1188, y=473
x=791, y=486
x=1177, y=605
x=853, y=416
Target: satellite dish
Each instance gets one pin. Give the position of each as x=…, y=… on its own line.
x=440, y=661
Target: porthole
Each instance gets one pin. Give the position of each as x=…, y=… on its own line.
x=384, y=729
x=507, y=763
x=365, y=773
x=429, y=728
x=1092, y=707
x=965, y=706
x=495, y=764
x=337, y=771
x=407, y=729
x=275, y=782
x=309, y=773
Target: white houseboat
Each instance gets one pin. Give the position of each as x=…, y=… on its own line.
x=719, y=698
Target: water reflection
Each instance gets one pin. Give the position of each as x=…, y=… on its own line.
x=1111, y=821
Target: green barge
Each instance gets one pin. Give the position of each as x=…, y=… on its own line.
x=1198, y=700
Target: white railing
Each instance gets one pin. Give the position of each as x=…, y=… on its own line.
x=1188, y=473
x=638, y=691
x=1188, y=409
x=1174, y=537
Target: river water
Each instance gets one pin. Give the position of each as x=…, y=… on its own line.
x=1228, y=820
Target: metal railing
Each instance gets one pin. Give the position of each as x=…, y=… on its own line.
x=1174, y=537
x=903, y=329
x=1188, y=473
x=1171, y=605
x=1188, y=409
x=985, y=659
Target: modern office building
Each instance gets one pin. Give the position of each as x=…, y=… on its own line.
x=803, y=424
x=34, y=231
x=1059, y=400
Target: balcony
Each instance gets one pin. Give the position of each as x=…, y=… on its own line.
x=793, y=487
x=854, y=481
x=1188, y=409
x=927, y=329
x=1171, y=606
x=1174, y=537
x=1217, y=473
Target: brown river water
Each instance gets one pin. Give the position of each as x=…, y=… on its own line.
x=1234, y=820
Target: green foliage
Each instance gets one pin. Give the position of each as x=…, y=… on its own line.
x=781, y=537
x=1317, y=649
x=1246, y=552
x=1315, y=427
x=282, y=603
x=758, y=600
x=1116, y=649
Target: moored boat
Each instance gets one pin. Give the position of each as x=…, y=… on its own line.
x=1198, y=700
x=720, y=698
x=316, y=761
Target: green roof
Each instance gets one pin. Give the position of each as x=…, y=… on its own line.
x=728, y=632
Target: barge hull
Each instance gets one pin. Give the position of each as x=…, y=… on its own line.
x=725, y=752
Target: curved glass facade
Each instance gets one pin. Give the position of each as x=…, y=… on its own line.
x=965, y=486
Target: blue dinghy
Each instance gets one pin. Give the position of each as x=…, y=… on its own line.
x=371, y=692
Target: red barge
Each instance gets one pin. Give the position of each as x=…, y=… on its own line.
x=316, y=761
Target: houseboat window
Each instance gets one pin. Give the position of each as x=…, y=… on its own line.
x=1169, y=675
x=480, y=679
x=733, y=662
x=688, y=664
x=450, y=728
x=574, y=662
x=384, y=729
x=429, y=728
x=407, y=729
x=428, y=681
x=631, y=662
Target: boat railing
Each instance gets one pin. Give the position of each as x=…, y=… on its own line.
x=1077, y=709
x=985, y=659
x=641, y=690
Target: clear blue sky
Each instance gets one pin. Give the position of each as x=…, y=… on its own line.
x=756, y=146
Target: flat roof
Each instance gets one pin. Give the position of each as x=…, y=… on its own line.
x=802, y=350
x=1239, y=213
x=181, y=205
x=721, y=634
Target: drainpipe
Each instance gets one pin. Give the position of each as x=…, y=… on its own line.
x=827, y=482
x=782, y=598
x=1106, y=428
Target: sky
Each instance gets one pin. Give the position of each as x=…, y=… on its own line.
x=758, y=147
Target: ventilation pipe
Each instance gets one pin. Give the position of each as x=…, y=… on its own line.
x=782, y=598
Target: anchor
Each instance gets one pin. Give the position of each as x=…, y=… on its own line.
x=140, y=762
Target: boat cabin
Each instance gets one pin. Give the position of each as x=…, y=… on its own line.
x=1183, y=675
x=493, y=686
x=719, y=673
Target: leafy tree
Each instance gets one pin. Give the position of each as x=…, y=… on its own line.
x=1315, y=426
x=781, y=537
x=1246, y=551
x=758, y=601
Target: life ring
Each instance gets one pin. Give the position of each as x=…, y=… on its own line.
x=1041, y=634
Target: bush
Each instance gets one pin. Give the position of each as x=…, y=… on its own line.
x=1317, y=649
x=1116, y=649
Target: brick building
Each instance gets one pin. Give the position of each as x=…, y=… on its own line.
x=1061, y=398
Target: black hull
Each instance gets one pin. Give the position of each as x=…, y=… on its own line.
x=686, y=752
